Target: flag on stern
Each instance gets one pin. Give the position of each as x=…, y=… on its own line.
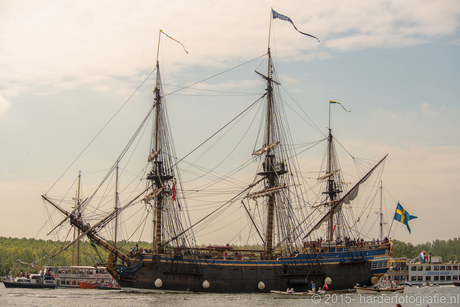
x=401, y=215
x=422, y=256
x=285, y=18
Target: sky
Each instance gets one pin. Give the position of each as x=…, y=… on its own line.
x=68, y=67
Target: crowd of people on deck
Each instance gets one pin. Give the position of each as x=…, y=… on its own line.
x=347, y=242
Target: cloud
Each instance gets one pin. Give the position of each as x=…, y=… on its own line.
x=455, y=42
x=55, y=44
x=4, y=105
x=425, y=108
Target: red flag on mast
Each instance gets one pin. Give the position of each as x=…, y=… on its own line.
x=174, y=192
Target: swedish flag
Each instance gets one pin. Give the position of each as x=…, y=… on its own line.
x=401, y=215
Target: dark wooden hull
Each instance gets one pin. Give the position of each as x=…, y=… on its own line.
x=341, y=267
x=245, y=278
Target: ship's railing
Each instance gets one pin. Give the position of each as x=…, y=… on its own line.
x=318, y=246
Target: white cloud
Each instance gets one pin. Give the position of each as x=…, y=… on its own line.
x=58, y=46
x=68, y=44
x=425, y=108
x=4, y=105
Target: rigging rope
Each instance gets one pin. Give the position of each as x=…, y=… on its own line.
x=102, y=129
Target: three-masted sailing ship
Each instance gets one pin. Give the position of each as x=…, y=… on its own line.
x=292, y=254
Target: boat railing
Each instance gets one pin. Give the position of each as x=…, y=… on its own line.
x=318, y=246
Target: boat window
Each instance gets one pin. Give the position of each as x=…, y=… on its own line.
x=413, y=278
x=436, y=268
x=448, y=268
x=443, y=277
x=455, y=277
x=435, y=277
x=428, y=268
x=443, y=268
x=448, y=277
x=455, y=267
x=419, y=278
x=420, y=268
x=427, y=278
x=413, y=268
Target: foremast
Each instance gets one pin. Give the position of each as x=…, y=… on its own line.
x=162, y=178
x=159, y=194
x=161, y=175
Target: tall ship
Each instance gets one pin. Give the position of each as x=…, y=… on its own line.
x=300, y=240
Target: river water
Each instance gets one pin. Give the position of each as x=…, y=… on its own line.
x=431, y=296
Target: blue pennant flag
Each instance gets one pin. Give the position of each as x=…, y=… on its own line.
x=285, y=18
x=401, y=215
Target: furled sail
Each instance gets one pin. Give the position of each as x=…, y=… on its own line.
x=264, y=149
x=266, y=192
x=153, y=155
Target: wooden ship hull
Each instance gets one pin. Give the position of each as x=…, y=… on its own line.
x=159, y=272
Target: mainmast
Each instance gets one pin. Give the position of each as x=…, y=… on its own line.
x=269, y=160
x=272, y=168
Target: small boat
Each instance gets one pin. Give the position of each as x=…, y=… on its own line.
x=378, y=290
x=36, y=281
x=87, y=285
x=289, y=294
x=456, y=283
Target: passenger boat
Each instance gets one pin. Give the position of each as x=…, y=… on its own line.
x=280, y=220
x=79, y=276
x=35, y=281
x=421, y=274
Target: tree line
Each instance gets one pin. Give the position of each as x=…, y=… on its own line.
x=41, y=253
x=449, y=250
